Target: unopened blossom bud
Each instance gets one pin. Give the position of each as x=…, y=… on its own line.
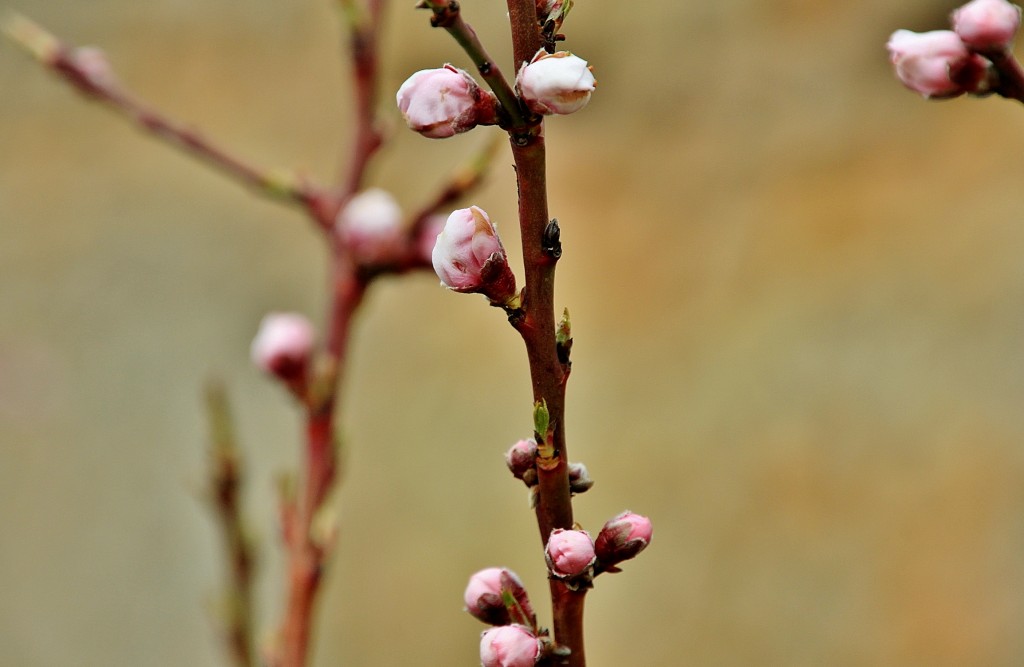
x=987, y=25
x=522, y=457
x=936, y=63
x=622, y=538
x=443, y=102
x=468, y=256
x=509, y=646
x=484, y=600
x=579, y=478
x=555, y=83
x=371, y=226
x=569, y=553
x=283, y=345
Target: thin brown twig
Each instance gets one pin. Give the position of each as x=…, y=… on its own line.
x=466, y=177
x=448, y=15
x=226, y=478
x=363, y=43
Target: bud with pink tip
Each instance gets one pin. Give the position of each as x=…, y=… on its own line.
x=936, y=63
x=521, y=458
x=468, y=257
x=509, y=646
x=987, y=25
x=555, y=83
x=486, y=593
x=569, y=553
x=622, y=538
x=439, y=103
x=371, y=226
x=283, y=345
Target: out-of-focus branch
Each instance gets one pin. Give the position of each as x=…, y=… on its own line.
x=88, y=71
x=363, y=23
x=466, y=177
x=225, y=482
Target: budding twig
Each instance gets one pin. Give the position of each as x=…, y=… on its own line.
x=448, y=15
x=537, y=326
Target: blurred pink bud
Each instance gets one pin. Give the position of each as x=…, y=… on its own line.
x=371, y=226
x=509, y=646
x=283, y=345
x=579, y=478
x=569, y=553
x=521, y=457
x=468, y=256
x=443, y=102
x=623, y=537
x=936, y=63
x=94, y=67
x=555, y=83
x=431, y=227
x=484, y=600
x=987, y=25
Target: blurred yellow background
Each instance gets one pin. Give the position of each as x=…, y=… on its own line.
x=797, y=292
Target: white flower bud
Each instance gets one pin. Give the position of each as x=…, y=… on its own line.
x=371, y=226
x=555, y=83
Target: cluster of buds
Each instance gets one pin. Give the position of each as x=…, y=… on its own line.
x=497, y=597
x=521, y=459
x=949, y=63
x=440, y=103
x=575, y=558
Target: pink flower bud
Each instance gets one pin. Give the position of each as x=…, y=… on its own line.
x=622, y=538
x=283, y=345
x=484, y=600
x=468, y=256
x=987, y=25
x=569, y=553
x=936, y=64
x=443, y=102
x=555, y=83
x=522, y=457
x=371, y=226
x=509, y=646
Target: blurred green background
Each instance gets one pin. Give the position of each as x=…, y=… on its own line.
x=797, y=292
